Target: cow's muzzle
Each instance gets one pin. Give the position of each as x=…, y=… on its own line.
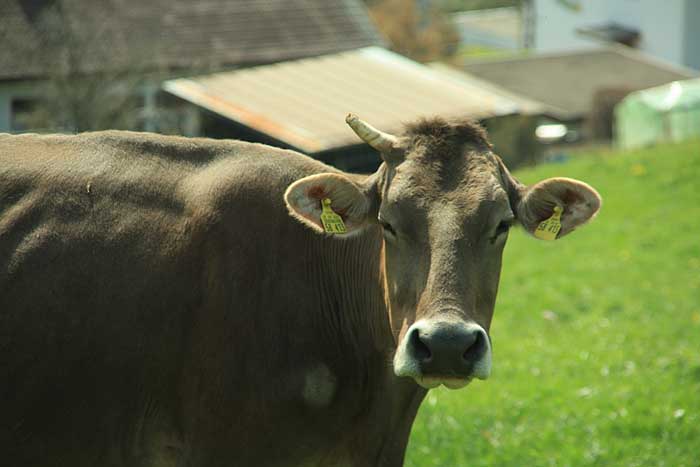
x=444, y=352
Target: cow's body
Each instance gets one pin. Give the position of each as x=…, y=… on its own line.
x=175, y=302
x=160, y=307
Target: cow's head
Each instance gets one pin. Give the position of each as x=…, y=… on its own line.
x=445, y=203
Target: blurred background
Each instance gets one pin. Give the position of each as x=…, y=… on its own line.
x=596, y=337
x=544, y=76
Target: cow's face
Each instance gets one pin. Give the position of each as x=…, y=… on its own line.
x=445, y=204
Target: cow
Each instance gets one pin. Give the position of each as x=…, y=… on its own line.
x=170, y=301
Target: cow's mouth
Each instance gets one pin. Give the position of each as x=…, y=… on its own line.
x=430, y=382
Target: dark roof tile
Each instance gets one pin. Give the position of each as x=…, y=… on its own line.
x=147, y=34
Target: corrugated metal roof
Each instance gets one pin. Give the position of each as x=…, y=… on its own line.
x=304, y=102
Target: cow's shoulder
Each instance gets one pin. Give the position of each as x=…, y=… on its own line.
x=134, y=167
x=248, y=178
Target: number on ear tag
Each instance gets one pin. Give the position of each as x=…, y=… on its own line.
x=332, y=222
x=549, y=228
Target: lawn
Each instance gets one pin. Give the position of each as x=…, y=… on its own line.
x=596, y=336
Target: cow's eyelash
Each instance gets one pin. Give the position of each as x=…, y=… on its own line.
x=502, y=228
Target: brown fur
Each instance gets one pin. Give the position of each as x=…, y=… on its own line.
x=444, y=133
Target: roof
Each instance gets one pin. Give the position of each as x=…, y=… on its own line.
x=567, y=82
x=175, y=33
x=303, y=103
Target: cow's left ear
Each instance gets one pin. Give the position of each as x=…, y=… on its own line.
x=304, y=200
x=578, y=201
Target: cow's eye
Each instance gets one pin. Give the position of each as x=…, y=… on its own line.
x=388, y=229
x=502, y=229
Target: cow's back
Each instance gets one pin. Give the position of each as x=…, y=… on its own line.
x=106, y=248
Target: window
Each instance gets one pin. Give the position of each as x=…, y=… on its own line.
x=23, y=115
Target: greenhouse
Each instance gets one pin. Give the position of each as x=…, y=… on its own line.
x=668, y=113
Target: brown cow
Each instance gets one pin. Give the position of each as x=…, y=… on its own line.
x=160, y=307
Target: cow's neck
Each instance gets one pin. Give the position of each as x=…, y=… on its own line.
x=351, y=320
x=354, y=323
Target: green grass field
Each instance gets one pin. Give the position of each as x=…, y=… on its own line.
x=596, y=336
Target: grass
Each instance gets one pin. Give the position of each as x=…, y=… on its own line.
x=471, y=53
x=596, y=336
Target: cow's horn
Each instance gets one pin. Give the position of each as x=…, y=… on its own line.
x=382, y=142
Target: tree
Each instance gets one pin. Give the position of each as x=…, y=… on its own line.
x=92, y=80
x=417, y=30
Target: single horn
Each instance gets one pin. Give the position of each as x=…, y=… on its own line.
x=382, y=142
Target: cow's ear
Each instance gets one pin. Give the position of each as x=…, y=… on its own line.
x=574, y=202
x=304, y=200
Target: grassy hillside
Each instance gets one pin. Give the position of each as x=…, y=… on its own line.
x=596, y=336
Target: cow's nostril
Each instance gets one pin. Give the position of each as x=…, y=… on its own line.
x=420, y=351
x=476, y=347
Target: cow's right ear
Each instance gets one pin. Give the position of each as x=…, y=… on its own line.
x=304, y=200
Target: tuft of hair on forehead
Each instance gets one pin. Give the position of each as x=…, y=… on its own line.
x=449, y=132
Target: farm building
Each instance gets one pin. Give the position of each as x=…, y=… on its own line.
x=282, y=73
x=582, y=87
x=667, y=30
x=301, y=104
x=58, y=54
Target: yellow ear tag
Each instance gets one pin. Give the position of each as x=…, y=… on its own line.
x=549, y=228
x=332, y=222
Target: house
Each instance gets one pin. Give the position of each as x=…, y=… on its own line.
x=575, y=86
x=79, y=47
x=667, y=29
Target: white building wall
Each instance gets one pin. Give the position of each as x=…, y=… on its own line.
x=692, y=34
x=662, y=24
x=556, y=23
